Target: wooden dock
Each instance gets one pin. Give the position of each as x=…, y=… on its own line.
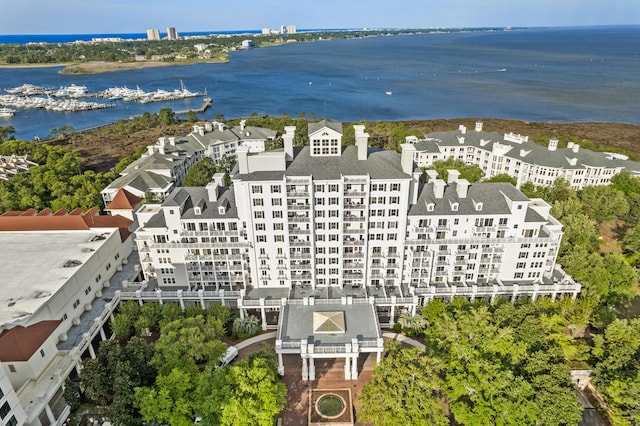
x=207, y=103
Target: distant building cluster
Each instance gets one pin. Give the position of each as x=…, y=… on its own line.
x=283, y=30
x=154, y=34
x=523, y=160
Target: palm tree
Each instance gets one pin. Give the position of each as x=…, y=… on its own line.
x=247, y=326
x=413, y=323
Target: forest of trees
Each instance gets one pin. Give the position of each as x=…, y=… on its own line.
x=164, y=368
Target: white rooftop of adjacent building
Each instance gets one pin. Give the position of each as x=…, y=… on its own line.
x=33, y=266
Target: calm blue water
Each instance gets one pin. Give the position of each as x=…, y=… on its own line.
x=562, y=75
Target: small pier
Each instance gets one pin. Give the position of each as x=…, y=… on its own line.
x=207, y=103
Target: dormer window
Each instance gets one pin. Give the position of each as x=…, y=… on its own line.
x=479, y=206
x=197, y=210
x=222, y=210
x=430, y=207
x=454, y=206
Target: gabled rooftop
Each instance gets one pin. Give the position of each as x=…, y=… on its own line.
x=20, y=343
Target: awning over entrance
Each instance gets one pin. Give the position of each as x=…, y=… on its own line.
x=327, y=328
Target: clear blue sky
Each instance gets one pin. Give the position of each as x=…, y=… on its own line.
x=122, y=16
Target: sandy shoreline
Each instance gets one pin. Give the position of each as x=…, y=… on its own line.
x=97, y=67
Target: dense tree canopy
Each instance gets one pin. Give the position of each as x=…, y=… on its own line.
x=406, y=389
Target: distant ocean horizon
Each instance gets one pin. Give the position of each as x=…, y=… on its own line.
x=581, y=74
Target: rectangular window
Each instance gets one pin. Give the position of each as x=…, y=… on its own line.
x=258, y=215
x=257, y=202
x=275, y=189
x=256, y=189
x=4, y=410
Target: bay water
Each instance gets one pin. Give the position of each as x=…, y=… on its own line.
x=548, y=74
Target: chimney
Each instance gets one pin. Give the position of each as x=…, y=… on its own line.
x=287, y=139
x=208, y=127
x=362, y=141
x=576, y=147
x=150, y=149
x=172, y=141
x=212, y=190
x=570, y=145
x=201, y=130
x=196, y=128
x=432, y=175
x=553, y=144
x=162, y=141
x=219, y=179
x=221, y=126
x=462, y=187
x=478, y=126
x=453, y=176
x=243, y=124
x=161, y=149
x=438, y=188
x=462, y=129
x=243, y=162
x=460, y=139
x=406, y=158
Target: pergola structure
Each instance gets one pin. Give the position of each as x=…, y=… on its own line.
x=328, y=328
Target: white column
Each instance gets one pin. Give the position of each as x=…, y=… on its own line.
x=263, y=314
x=91, y=351
x=392, y=316
x=354, y=368
x=305, y=370
x=103, y=336
x=181, y=300
x=378, y=356
x=280, y=365
x=52, y=418
x=312, y=370
x=347, y=369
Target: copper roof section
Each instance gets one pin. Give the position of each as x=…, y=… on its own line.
x=62, y=220
x=20, y=343
x=124, y=200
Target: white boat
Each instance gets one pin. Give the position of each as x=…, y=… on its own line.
x=72, y=91
x=389, y=93
x=7, y=112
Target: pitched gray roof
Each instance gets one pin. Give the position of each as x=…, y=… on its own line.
x=493, y=196
x=380, y=164
x=528, y=152
x=333, y=125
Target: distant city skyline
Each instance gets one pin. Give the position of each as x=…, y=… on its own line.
x=136, y=16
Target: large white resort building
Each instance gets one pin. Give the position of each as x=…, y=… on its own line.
x=325, y=231
x=520, y=158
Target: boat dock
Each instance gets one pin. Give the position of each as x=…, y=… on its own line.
x=207, y=103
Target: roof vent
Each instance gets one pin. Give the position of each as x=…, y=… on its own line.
x=71, y=263
x=97, y=238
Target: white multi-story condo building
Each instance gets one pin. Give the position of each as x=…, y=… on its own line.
x=332, y=216
x=338, y=238
x=159, y=170
x=521, y=159
x=153, y=34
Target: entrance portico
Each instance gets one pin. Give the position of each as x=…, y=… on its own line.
x=328, y=328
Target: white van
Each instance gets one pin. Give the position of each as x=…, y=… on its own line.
x=229, y=356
